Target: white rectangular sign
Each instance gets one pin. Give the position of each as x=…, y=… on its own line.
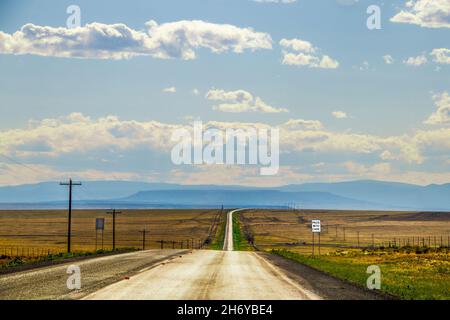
x=315, y=226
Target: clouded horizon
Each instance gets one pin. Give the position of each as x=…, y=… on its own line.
x=99, y=102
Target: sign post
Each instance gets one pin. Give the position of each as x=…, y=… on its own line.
x=99, y=225
x=315, y=228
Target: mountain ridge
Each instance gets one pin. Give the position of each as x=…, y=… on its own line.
x=374, y=193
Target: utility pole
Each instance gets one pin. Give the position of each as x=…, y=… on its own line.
x=69, y=222
x=114, y=212
x=143, y=238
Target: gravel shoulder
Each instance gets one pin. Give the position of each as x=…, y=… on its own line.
x=322, y=284
x=49, y=283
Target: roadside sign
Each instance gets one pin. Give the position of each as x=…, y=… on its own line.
x=100, y=224
x=315, y=226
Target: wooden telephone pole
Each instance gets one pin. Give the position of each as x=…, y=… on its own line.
x=69, y=220
x=143, y=238
x=113, y=212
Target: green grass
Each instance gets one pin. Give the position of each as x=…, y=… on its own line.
x=239, y=241
x=217, y=243
x=423, y=276
x=237, y=237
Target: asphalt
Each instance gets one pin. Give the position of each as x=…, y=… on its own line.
x=206, y=274
x=51, y=282
x=186, y=275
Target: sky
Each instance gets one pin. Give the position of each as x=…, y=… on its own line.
x=100, y=101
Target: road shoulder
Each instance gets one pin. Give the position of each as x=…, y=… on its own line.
x=49, y=282
x=321, y=283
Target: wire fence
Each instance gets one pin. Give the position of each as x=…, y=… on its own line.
x=36, y=252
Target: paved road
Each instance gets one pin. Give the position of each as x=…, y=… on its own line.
x=228, y=241
x=50, y=282
x=183, y=274
x=210, y=274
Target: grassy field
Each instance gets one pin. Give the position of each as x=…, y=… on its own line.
x=419, y=271
x=404, y=275
x=219, y=232
x=292, y=229
x=42, y=230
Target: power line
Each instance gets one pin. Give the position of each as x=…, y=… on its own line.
x=69, y=222
x=20, y=163
x=144, y=231
x=114, y=212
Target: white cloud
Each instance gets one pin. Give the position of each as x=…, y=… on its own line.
x=195, y=92
x=303, y=53
x=416, y=61
x=14, y=174
x=373, y=171
x=388, y=59
x=425, y=13
x=298, y=45
x=232, y=175
x=78, y=133
x=339, y=114
x=178, y=39
x=441, y=55
x=328, y=63
x=442, y=114
x=55, y=139
x=240, y=101
x=170, y=90
x=300, y=124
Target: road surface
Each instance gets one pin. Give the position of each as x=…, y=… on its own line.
x=51, y=282
x=207, y=274
x=228, y=241
x=183, y=274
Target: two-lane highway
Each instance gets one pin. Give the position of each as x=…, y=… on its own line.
x=228, y=239
x=183, y=274
x=208, y=274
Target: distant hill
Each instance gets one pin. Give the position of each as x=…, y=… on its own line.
x=363, y=194
x=247, y=198
x=394, y=194
x=90, y=190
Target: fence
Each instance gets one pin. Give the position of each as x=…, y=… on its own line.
x=26, y=252
x=37, y=252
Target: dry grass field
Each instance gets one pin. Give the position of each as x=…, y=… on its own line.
x=47, y=230
x=411, y=248
x=340, y=229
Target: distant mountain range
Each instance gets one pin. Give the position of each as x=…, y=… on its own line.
x=364, y=194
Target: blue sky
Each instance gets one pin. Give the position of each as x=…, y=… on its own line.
x=382, y=132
